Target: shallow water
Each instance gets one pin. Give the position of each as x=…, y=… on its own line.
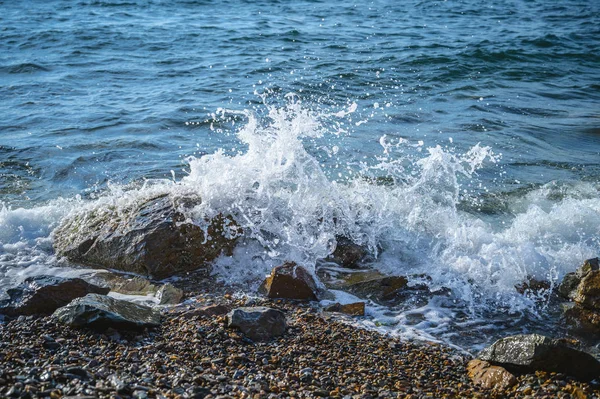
x=453, y=138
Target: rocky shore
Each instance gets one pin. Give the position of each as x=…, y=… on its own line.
x=193, y=354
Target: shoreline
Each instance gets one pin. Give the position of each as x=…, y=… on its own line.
x=194, y=355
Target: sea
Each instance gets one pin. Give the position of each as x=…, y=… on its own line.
x=456, y=139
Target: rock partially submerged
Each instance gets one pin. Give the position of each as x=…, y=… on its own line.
x=42, y=295
x=488, y=376
x=352, y=309
x=152, y=238
x=583, y=288
x=100, y=312
x=528, y=353
x=290, y=281
x=347, y=253
x=258, y=323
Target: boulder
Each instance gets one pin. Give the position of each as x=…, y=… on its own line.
x=44, y=294
x=258, y=323
x=348, y=254
x=488, y=376
x=352, y=309
x=101, y=312
x=528, y=353
x=568, y=287
x=290, y=281
x=151, y=238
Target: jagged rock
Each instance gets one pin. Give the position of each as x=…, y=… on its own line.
x=528, y=353
x=44, y=294
x=533, y=286
x=587, y=293
x=352, y=309
x=258, y=323
x=492, y=377
x=102, y=312
x=347, y=253
x=152, y=238
x=290, y=281
x=206, y=311
x=568, y=287
x=169, y=295
x=579, y=318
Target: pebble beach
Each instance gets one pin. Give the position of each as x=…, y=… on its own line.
x=194, y=355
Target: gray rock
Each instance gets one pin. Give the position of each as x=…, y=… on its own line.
x=258, y=323
x=152, y=238
x=530, y=352
x=169, y=295
x=44, y=294
x=101, y=312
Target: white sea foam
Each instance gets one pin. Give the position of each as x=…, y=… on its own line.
x=411, y=220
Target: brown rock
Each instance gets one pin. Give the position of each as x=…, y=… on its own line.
x=587, y=293
x=152, y=237
x=568, y=287
x=290, y=281
x=492, y=377
x=533, y=286
x=352, y=309
x=582, y=319
x=378, y=289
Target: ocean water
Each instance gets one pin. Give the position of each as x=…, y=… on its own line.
x=460, y=139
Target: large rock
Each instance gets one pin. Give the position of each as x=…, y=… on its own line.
x=347, y=253
x=581, y=319
x=101, y=312
x=488, y=376
x=379, y=289
x=290, y=281
x=530, y=352
x=152, y=238
x=352, y=309
x=258, y=323
x=44, y=294
x=568, y=287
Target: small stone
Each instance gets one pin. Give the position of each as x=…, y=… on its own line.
x=258, y=323
x=488, y=376
x=169, y=295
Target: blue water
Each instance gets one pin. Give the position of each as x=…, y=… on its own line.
x=100, y=94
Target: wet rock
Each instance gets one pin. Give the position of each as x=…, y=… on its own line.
x=379, y=289
x=347, y=253
x=533, y=286
x=44, y=294
x=258, y=323
x=290, y=281
x=532, y=352
x=568, y=287
x=352, y=309
x=102, y=312
x=587, y=293
x=488, y=376
x=581, y=319
x=151, y=238
x=169, y=295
